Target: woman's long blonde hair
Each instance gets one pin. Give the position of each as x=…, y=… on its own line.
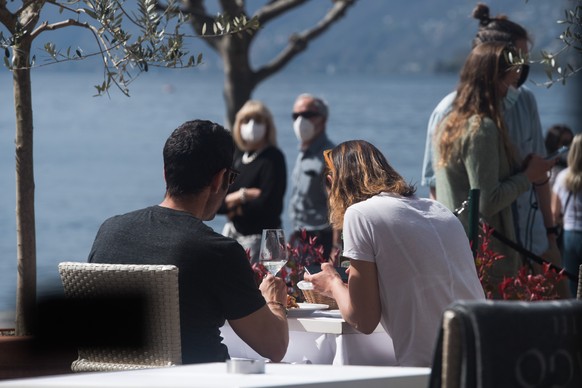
x=477, y=94
x=258, y=111
x=357, y=171
x=573, y=180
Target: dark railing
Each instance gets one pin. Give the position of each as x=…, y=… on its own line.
x=475, y=220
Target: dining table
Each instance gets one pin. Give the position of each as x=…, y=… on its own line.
x=323, y=337
x=216, y=375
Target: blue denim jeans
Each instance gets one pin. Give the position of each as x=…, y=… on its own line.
x=572, y=255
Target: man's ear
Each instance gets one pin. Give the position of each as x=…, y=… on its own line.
x=216, y=184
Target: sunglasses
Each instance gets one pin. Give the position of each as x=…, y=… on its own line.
x=232, y=174
x=308, y=114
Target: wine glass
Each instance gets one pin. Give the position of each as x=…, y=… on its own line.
x=273, y=253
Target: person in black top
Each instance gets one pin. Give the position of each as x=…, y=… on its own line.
x=216, y=282
x=255, y=200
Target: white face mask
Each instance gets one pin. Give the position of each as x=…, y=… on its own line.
x=511, y=97
x=253, y=132
x=304, y=129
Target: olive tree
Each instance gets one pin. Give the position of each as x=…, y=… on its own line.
x=128, y=38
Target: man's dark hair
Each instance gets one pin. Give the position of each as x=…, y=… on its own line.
x=193, y=154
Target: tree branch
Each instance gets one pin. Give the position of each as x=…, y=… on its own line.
x=276, y=8
x=299, y=42
x=199, y=17
x=232, y=7
x=59, y=5
x=100, y=43
x=45, y=26
x=6, y=17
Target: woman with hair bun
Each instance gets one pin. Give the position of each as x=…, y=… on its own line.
x=519, y=111
x=498, y=29
x=473, y=150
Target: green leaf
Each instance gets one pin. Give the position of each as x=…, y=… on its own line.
x=90, y=13
x=549, y=73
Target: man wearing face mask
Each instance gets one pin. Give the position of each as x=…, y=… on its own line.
x=531, y=211
x=308, y=203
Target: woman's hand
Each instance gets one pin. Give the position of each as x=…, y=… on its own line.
x=536, y=168
x=241, y=196
x=324, y=281
x=236, y=199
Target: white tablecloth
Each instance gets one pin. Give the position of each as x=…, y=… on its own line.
x=215, y=375
x=324, y=341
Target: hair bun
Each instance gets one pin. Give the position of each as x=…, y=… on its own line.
x=481, y=12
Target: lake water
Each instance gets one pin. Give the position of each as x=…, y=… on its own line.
x=97, y=156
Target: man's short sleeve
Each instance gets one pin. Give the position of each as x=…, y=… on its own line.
x=235, y=286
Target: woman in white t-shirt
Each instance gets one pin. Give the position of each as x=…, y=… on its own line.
x=409, y=257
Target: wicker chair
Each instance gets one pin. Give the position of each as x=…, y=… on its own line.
x=509, y=343
x=158, y=284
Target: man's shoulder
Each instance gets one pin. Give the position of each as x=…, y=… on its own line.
x=127, y=217
x=526, y=100
x=217, y=239
x=320, y=144
x=526, y=92
x=328, y=143
x=444, y=106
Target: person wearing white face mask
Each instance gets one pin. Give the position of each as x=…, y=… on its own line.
x=255, y=200
x=308, y=203
x=531, y=210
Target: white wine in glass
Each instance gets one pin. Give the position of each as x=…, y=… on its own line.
x=273, y=254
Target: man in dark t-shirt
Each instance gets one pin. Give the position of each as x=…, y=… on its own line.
x=216, y=282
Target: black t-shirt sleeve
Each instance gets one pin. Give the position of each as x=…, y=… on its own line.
x=234, y=286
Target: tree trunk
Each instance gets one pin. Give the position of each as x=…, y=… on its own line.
x=25, y=224
x=239, y=79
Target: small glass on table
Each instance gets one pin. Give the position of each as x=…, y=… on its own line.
x=273, y=253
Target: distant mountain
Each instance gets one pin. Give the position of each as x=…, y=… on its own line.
x=378, y=36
